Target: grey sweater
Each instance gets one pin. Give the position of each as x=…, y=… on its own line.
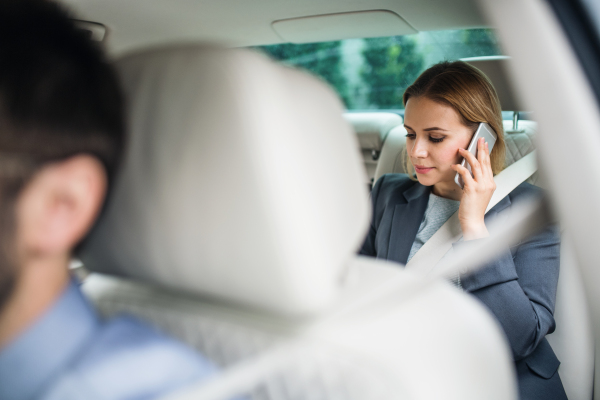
x=439, y=209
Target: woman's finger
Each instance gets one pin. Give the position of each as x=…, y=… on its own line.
x=489, y=168
x=465, y=174
x=482, y=154
x=486, y=162
x=473, y=162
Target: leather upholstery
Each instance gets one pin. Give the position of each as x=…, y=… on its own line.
x=224, y=204
x=378, y=342
x=371, y=129
x=393, y=155
x=216, y=178
x=573, y=341
x=519, y=144
x=494, y=67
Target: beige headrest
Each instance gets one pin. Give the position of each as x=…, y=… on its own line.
x=494, y=67
x=372, y=128
x=223, y=191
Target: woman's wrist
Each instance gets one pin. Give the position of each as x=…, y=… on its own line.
x=474, y=230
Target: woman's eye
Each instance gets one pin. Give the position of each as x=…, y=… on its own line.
x=435, y=140
x=410, y=135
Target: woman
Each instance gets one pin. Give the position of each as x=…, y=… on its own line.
x=443, y=108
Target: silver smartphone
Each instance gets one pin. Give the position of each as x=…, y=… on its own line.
x=483, y=131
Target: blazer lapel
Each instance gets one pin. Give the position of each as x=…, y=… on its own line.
x=407, y=218
x=406, y=221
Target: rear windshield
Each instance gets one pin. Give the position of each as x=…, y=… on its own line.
x=373, y=73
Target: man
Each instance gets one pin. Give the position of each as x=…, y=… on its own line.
x=61, y=137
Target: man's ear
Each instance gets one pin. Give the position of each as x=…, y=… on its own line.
x=59, y=205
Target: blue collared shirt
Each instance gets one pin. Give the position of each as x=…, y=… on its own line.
x=70, y=353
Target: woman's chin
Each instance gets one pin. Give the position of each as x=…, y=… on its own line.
x=426, y=180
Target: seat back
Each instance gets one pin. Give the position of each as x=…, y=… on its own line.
x=494, y=67
x=235, y=238
x=372, y=129
x=573, y=340
x=216, y=178
x=393, y=154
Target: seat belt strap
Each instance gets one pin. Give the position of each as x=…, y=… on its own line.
x=440, y=243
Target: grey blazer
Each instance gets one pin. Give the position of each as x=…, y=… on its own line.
x=519, y=287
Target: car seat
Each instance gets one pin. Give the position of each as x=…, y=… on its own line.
x=371, y=129
x=229, y=229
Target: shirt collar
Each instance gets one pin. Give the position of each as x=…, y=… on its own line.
x=41, y=353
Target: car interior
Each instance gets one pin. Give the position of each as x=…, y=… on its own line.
x=243, y=199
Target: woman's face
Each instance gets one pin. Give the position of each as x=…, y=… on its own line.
x=435, y=133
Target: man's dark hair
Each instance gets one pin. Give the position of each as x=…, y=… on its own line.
x=58, y=97
x=58, y=94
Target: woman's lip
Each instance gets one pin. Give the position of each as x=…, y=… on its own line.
x=422, y=170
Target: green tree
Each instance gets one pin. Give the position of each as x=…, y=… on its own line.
x=457, y=44
x=478, y=43
x=391, y=65
x=322, y=59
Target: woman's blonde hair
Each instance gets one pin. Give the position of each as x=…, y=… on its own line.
x=470, y=93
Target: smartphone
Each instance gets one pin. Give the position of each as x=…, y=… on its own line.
x=483, y=131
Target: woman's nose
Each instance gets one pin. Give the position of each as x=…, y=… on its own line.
x=419, y=149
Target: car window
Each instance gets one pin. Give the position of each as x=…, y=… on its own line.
x=373, y=73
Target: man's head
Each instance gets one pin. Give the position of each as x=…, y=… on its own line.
x=61, y=134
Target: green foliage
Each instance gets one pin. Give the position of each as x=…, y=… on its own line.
x=391, y=65
x=479, y=42
x=374, y=73
x=321, y=59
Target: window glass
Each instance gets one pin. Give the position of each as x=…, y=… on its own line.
x=373, y=73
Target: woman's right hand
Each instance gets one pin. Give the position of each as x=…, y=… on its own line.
x=477, y=192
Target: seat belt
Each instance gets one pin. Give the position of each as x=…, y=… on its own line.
x=425, y=260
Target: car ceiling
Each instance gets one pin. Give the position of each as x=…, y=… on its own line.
x=134, y=24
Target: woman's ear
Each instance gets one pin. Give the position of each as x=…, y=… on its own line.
x=59, y=205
